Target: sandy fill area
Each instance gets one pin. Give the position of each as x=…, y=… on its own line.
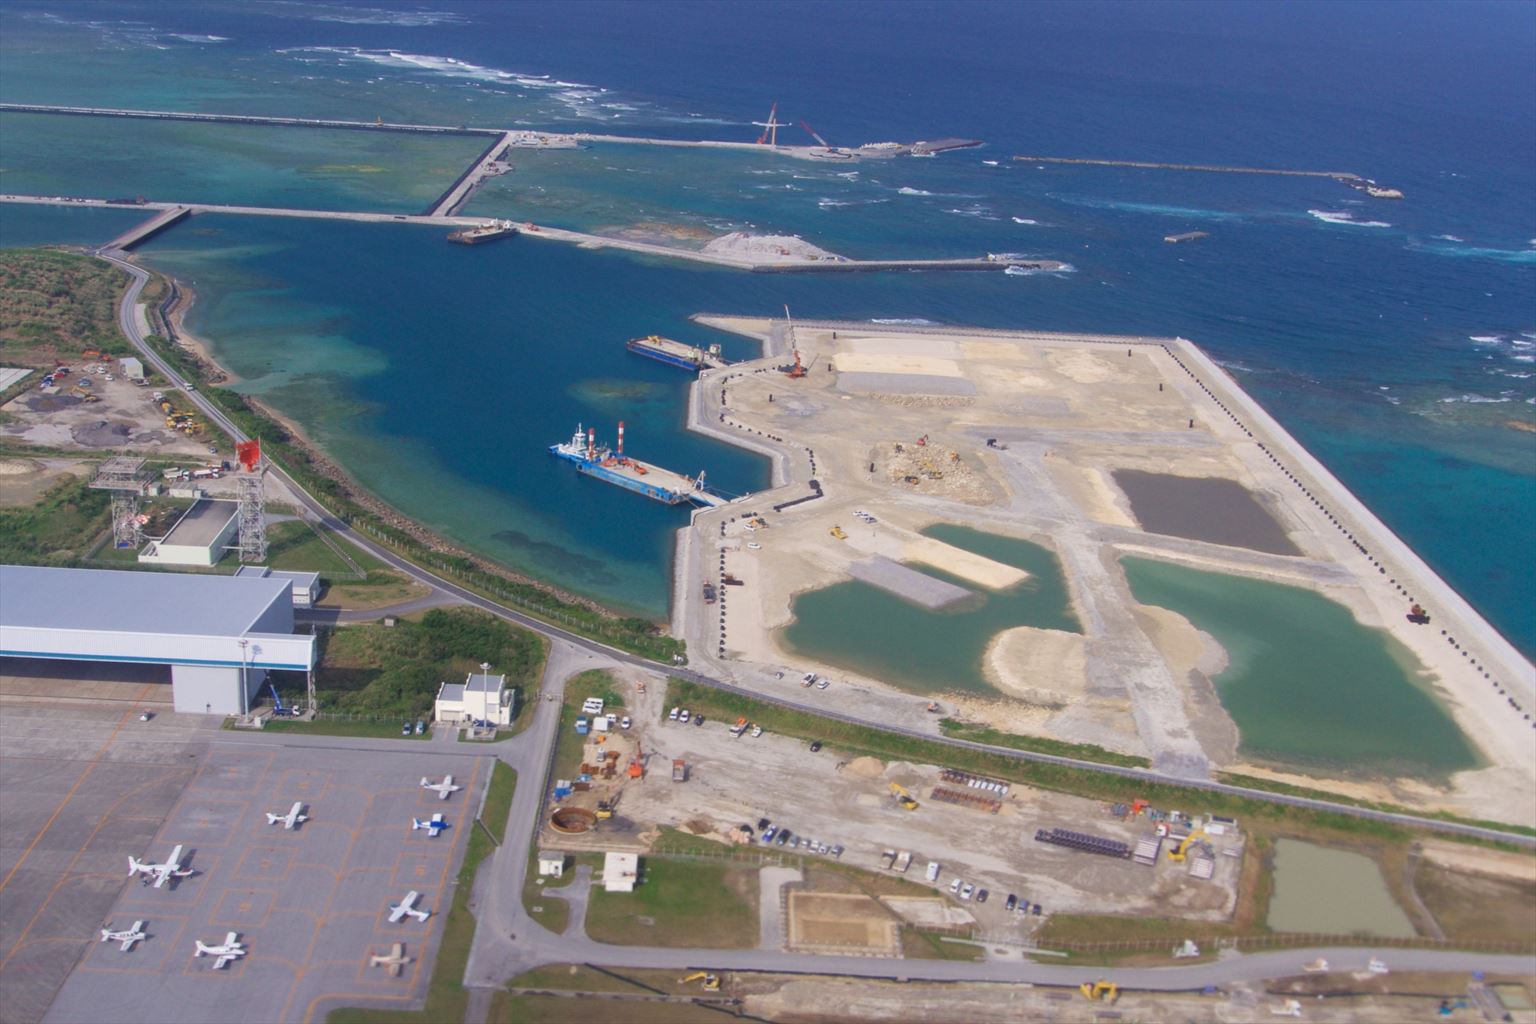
x=926, y=366
x=1041, y=666
x=983, y=572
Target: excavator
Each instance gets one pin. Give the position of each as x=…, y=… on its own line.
x=903, y=797
x=711, y=981
x=1105, y=991
x=1178, y=853
x=605, y=808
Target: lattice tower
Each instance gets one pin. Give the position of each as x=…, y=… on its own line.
x=253, y=513
x=123, y=475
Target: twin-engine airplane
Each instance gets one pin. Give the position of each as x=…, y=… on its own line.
x=124, y=939
x=229, y=950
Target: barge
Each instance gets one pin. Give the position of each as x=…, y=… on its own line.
x=675, y=353
x=614, y=467
x=487, y=232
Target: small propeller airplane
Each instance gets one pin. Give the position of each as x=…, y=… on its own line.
x=395, y=961
x=124, y=939
x=292, y=818
x=443, y=788
x=434, y=825
x=160, y=872
x=404, y=908
x=230, y=949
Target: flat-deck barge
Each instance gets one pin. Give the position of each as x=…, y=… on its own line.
x=676, y=353
x=614, y=467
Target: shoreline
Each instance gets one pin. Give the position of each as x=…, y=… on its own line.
x=324, y=464
x=1331, y=563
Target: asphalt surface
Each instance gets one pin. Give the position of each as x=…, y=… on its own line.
x=317, y=512
x=311, y=904
x=509, y=942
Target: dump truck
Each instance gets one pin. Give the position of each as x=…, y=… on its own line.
x=679, y=770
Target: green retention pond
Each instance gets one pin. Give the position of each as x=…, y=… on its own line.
x=859, y=627
x=1307, y=684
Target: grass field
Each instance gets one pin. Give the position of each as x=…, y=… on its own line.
x=1039, y=744
x=689, y=904
x=1469, y=906
x=55, y=305
x=447, y=1001
x=507, y=1008
x=58, y=529
x=394, y=671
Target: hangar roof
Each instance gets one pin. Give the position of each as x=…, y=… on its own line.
x=135, y=602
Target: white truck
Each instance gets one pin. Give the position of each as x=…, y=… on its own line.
x=932, y=874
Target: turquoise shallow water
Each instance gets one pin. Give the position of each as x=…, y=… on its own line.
x=1306, y=683
x=1359, y=338
x=231, y=164
x=864, y=629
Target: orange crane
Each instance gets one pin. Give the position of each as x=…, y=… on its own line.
x=770, y=128
x=636, y=767
x=798, y=370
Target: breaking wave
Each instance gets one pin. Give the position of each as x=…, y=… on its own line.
x=1345, y=217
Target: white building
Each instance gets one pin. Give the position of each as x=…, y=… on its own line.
x=131, y=367
x=200, y=537
x=620, y=871
x=306, y=585
x=480, y=698
x=219, y=634
x=551, y=864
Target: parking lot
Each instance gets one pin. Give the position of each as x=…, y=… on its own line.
x=310, y=904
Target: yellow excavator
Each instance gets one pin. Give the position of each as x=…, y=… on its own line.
x=711, y=981
x=1178, y=853
x=1105, y=991
x=903, y=797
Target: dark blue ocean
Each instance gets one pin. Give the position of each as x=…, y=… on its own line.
x=1396, y=339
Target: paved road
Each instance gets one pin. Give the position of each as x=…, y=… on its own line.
x=317, y=512
x=510, y=942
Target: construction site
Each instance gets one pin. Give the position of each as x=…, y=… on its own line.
x=989, y=854
x=878, y=434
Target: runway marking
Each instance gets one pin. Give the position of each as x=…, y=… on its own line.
x=67, y=796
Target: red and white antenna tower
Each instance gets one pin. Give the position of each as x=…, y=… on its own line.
x=591, y=443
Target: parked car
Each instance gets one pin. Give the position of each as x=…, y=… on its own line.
x=954, y=887
x=784, y=836
x=421, y=727
x=815, y=746
x=145, y=716
x=698, y=720
x=981, y=896
x=821, y=684
x=672, y=715
x=683, y=716
x=754, y=545
x=405, y=729
x=762, y=824
x=1011, y=902
x=837, y=851
x=966, y=890
x=769, y=833
x=757, y=731
x=624, y=722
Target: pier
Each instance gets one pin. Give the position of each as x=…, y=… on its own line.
x=148, y=229
x=1349, y=178
x=465, y=185
x=529, y=230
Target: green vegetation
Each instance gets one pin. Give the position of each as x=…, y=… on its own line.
x=637, y=635
x=553, y=913
x=507, y=1008
x=394, y=671
x=447, y=999
x=1038, y=744
x=59, y=529
x=689, y=904
x=568, y=743
x=298, y=546
x=56, y=304
x=1467, y=905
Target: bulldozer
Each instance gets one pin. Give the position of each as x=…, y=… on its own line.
x=711, y=981
x=903, y=797
x=837, y=531
x=1100, y=991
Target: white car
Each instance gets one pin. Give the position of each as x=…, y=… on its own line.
x=757, y=731
x=954, y=887
x=672, y=715
x=821, y=684
x=754, y=546
x=683, y=716
x=624, y=722
x=965, y=893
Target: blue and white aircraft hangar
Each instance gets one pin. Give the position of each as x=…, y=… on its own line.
x=215, y=632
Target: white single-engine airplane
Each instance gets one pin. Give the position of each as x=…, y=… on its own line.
x=395, y=961
x=292, y=818
x=124, y=939
x=160, y=872
x=404, y=908
x=443, y=788
x=231, y=949
x=434, y=825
